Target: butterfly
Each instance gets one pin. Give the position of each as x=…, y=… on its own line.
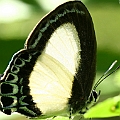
x=54, y=73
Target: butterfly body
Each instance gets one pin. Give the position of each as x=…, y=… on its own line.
x=54, y=73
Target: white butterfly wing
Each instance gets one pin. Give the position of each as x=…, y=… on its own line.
x=53, y=74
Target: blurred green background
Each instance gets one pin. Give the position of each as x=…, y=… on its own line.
x=18, y=17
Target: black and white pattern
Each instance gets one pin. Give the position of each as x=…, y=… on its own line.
x=54, y=73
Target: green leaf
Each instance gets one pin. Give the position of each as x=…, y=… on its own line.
x=108, y=108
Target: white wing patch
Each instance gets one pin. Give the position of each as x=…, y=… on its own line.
x=53, y=74
x=64, y=46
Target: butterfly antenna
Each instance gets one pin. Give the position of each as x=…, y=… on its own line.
x=104, y=76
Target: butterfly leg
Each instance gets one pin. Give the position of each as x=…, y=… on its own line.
x=51, y=118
